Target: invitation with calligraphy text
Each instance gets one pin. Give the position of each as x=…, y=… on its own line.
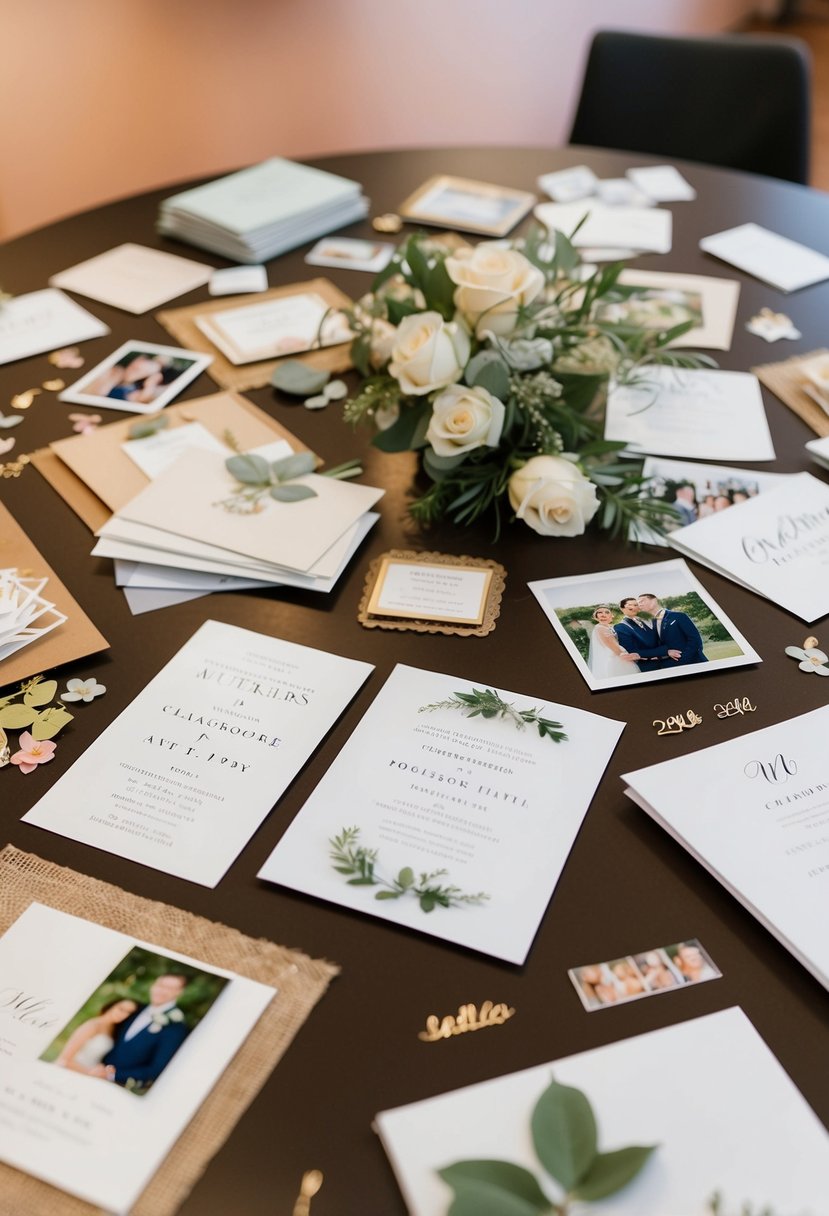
x=755, y=812
x=184, y=776
x=776, y=544
x=451, y=810
x=108, y=1047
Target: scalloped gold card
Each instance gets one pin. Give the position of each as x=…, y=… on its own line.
x=432, y=593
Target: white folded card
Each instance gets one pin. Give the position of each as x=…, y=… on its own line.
x=662, y=183
x=818, y=449
x=728, y=1121
x=469, y=841
x=705, y=415
x=569, y=185
x=133, y=277
x=774, y=259
x=644, y=228
x=754, y=812
x=184, y=776
x=44, y=320
x=154, y=454
x=776, y=544
x=79, y=998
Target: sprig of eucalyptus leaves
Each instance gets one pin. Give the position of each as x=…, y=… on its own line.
x=359, y=864
x=565, y=1138
x=260, y=479
x=486, y=703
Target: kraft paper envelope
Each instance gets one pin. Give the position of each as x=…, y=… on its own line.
x=74, y=639
x=96, y=478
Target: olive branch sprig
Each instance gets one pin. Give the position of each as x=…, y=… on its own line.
x=359, y=865
x=486, y=703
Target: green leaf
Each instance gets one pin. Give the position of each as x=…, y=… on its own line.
x=439, y=467
x=439, y=290
x=427, y=902
x=418, y=265
x=41, y=693
x=406, y=878
x=292, y=492
x=143, y=430
x=250, y=470
x=401, y=436
x=396, y=310
x=488, y=370
x=362, y=882
x=564, y=1133
x=49, y=722
x=298, y=380
x=494, y=1188
x=388, y=895
x=612, y=1171
x=15, y=717
x=293, y=466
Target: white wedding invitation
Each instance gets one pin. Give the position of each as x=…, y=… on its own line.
x=708, y=1094
x=44, y=320
x=704, y=415
x=70, y=994
x=755, y=812
x=776, y=544
x=272, y=328
x=818, y=449
x=184, y=776
x=451, y=810
x=774, y=259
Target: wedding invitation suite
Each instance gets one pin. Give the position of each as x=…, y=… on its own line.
x=462, y=806
x=704, y=415
x=755, y=812
x=108, y=1047
x=185, y=775
x=708, y=1095
x=776, y=544
x=43, y=320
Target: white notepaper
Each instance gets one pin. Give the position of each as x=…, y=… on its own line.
x=708, y=1092
x=185, y=775
x=498, y=807
x=569, y=185
x=662, y=183
x=154, y=454
x=704, y=415
x=133, y=277
x=644, y=228
x=776, y=544
x=238, y=280
x=755, y=812
x=84, y=1134
x=44, y=320
x=774, y=259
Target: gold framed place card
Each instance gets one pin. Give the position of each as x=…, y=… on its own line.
x=432, y=593
x=471, y=206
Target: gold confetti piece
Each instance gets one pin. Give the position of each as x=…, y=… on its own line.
x=811, y=644
x=53, y=386
x=387, y=223
x=68, y=356
x=22, y=401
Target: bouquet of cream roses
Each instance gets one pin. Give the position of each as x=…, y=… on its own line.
x=492, y=361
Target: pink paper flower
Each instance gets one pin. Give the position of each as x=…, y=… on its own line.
x=33, y=752
x=84, y=424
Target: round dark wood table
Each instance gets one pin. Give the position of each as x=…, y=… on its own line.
x=627, y=885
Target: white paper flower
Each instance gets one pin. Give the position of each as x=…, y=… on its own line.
x=811, y=659
x=82, y=690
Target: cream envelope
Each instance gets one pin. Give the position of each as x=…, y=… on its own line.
x=187, y=501
x=133, y=277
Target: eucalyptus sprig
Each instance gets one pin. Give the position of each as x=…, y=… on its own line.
x=486, y=703
x=359, y=865
x=565, y=1138
x=260, y=479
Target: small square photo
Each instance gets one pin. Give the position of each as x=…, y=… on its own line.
x=131, y=1027
x=138, y=377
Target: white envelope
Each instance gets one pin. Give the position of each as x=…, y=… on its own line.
x=774, y=259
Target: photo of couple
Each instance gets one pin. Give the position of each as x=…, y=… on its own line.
x=667, y=968
x=132, y=1025
x=138, y=377
x=646, y=623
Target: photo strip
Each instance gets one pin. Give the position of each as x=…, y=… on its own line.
x=665, y=969
x=641, y=624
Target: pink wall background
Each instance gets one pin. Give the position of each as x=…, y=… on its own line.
x=104, y=98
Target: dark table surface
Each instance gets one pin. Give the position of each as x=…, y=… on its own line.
x=626, y=887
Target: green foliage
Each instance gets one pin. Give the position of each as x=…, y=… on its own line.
x=565, y=1139
x=258, y=479
x=32, y=711
x=486, y=703
x=145, y=428
x=297, y=379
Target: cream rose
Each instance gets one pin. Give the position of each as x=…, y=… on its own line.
x=429, y=353
x=553, y=496
x=464, y=418
x=491, y=284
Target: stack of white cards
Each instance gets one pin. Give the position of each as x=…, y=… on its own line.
x=195, y=528
x=25, y=615
x=260, y=212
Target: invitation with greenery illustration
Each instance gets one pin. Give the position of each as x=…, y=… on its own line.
x=462, y=804
x=697, y=1119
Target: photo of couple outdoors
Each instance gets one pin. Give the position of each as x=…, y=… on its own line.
x=640, y=632
x=132, y=1025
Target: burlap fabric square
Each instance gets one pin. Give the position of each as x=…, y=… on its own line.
x=25, y=878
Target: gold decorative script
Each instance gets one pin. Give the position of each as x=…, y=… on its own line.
x=737, y=706
x=468, y=1017
x=676, y=724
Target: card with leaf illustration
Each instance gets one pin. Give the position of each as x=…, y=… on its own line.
x=450, y=827
x=642, y=1127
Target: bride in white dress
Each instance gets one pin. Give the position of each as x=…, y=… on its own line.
x=89, y=1043
x=605, y=656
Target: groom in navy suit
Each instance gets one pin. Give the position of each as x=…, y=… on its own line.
x=675, y=630
x=638, y=637
x=149, y=1038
